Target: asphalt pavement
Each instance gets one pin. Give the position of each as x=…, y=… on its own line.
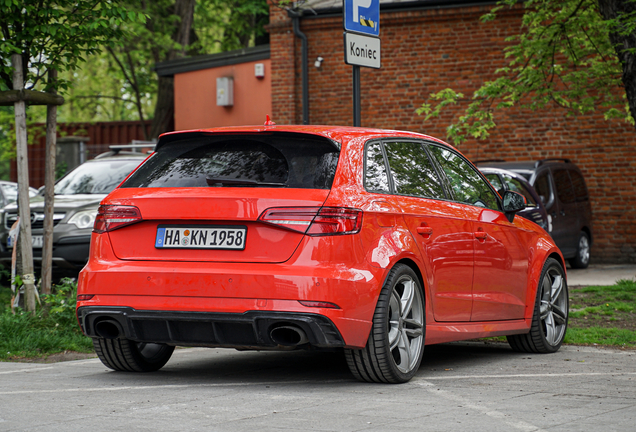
x=459, y=387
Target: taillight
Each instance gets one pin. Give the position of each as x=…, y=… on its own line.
x=315, y=221
x=111, y=217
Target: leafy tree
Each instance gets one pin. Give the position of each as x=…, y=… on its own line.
x=40, y=39
x=577, y=54
x=174, y=29
x=56, y=35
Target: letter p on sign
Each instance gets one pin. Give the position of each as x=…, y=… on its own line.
x=359, y=4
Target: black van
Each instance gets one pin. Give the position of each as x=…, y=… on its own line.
x=562, y=189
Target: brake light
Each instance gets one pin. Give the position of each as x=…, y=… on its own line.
x=112, y=217
x=315, y=221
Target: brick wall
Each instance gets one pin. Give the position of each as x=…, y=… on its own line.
x=424, y=51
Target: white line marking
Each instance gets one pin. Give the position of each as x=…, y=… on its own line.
x=165, y=386
x=516, y=424
x=35, y=369
x=575, y=374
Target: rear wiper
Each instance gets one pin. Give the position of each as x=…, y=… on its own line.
x=226, y=181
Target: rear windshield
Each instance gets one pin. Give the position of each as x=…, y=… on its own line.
x=273, y=160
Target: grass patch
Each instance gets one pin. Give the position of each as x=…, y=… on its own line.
x=601, y=336
x=53, y=329
x=601, y=315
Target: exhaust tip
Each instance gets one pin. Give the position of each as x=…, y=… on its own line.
x=108, y=329
x=288, y=336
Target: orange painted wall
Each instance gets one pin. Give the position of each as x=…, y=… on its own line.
x=195, y=97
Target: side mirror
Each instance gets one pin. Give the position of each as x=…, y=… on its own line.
x=41, y=191
x=512, y=203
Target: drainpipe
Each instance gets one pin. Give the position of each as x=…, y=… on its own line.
x=295, y=16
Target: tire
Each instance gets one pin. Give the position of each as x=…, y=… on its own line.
x=550, y=317
x=395, y=346
x=128, y=356
x=582, y=258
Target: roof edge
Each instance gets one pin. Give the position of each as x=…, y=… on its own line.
x=207, y=61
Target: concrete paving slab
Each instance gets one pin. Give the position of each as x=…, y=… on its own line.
x=601, y=274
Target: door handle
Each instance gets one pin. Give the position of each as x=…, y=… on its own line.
x=481, y=235
x=424, y=230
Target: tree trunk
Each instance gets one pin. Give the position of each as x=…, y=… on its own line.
x=625, y=45
x=163, y=120
x=24, y=208
x=49, y=196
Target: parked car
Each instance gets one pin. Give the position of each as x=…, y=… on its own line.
x=504, y=180
x=562, y=189
x=9, y=195
x=77, y=197
x=321, y=237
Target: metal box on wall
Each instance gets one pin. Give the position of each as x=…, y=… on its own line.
x=224, y=91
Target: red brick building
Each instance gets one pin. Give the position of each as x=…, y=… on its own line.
x=431, y=45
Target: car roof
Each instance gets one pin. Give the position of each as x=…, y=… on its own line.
x=515, y=175
x=116, y=155
x=339, y=134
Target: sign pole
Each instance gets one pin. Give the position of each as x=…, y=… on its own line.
x=356, y=96
x=361, y=21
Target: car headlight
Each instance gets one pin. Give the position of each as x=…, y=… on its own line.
x=83, y=219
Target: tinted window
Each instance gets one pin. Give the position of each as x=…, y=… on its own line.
x=542, y=187
x=563, y=185
x=289, y=160
x=98, y=177
x=468, y=187
x=412, y=170
x=580, y=190
x=516, y=186
x=375, y=176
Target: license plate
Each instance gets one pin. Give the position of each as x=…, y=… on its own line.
x=36, y=242
x=201, y=237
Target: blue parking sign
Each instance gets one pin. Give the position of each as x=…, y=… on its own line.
x=362, y=16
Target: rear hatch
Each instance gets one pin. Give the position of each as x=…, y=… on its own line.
x=222, y=198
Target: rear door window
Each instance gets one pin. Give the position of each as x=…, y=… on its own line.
x=276, y=160
x=375, y=177
x=412, y=171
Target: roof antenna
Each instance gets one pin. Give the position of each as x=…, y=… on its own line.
x=268, y=122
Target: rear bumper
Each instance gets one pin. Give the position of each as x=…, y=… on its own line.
x=249, y=330
x=248, y=293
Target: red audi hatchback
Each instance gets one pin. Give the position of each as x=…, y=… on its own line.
x=283, y=237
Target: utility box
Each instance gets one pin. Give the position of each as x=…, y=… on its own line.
x=259, y=70
x=224, y=91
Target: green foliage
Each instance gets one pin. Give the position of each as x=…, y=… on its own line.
x=57, y=34
x=241, y=22
x=562, y=57
x=51, y=330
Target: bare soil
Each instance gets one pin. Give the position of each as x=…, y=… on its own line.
x=59, y=357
